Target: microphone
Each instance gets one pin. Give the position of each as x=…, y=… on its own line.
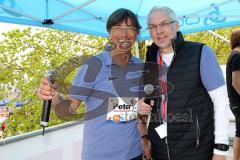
x=50, y=75
x=148, y=89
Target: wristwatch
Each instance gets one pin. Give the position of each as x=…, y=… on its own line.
x=221, y=147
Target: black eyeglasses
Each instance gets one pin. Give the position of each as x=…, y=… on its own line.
x=119, y=29
x=153, y=28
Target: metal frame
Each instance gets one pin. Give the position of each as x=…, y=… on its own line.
x=218, y=36
x=21, y=13
x=72, y=10
x=38, y=133
x=86, y=12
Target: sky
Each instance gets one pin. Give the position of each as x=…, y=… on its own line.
x=5, y=27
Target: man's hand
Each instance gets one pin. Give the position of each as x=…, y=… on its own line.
x=218, y=157
x=46, y=91
x=146, y=148
x=143, y=108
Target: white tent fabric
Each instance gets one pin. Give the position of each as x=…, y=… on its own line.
x=90, y=16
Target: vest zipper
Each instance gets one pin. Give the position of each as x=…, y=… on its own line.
x=168, y=154
x=197, y=133
x=174, y=55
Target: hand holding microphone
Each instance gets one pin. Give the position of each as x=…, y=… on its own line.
x=46, y=92
x=145, y=105
x=144, y=108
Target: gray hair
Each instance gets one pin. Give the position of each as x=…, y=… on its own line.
x=167, y=10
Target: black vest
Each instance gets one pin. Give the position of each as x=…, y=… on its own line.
x=189, y=108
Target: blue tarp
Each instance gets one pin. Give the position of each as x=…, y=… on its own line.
x=89, y=16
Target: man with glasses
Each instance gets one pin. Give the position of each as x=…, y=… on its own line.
x=191, y=121
x=110, y=130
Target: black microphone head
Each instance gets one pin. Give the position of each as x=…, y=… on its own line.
x=51, y=74
x=148, y=89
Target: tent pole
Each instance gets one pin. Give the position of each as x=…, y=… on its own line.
x=72, y=10
x=47, y=9
x=209, y=16
x=70, y=5
x=218, y=36
x=21, y=13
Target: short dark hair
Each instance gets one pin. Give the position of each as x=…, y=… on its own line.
x=121, y=15
x=235, y=39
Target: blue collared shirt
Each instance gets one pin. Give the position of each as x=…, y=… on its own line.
x=210, y=71
x=103, y=140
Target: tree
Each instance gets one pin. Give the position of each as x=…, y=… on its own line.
x=221, y=48
x=25, y=57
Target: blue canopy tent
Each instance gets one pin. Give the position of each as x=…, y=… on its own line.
x=90, y=16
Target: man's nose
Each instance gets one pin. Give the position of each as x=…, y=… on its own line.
x=124, y=31
x=159, y=29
